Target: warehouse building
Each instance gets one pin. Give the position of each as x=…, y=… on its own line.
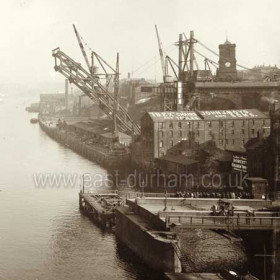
x=229, y=129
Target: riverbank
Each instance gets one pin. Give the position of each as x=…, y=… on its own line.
x=104, y=157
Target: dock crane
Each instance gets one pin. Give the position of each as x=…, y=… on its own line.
x=77, y=75
x=89, y=83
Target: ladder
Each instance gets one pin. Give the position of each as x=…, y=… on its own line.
x=92, y=87
x=184, y=262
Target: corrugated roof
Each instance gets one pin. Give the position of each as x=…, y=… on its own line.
x=183, y=115
x=243, y=84
x=179, y=159
x=232, y=114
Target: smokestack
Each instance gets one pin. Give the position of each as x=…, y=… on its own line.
x=66, y=94
x=275, y=106
x=128, y=75
x=179, y=96
x=80, y=105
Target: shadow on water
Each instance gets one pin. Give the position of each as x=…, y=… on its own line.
x=80, y=249
x=135, y=264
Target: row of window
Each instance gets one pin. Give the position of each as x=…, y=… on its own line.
x=221, y=142
x=230, y=141
x=180, y=133
x=209, y=123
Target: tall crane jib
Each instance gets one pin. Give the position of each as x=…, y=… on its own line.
x=76, y=74
x=162, y=55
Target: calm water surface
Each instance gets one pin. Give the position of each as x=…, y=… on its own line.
x=42, y=233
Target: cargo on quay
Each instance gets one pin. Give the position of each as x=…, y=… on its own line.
x=109, y=159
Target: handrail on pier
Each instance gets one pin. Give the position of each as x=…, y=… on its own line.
x=213, y=222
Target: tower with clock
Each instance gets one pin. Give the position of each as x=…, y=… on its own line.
x=227, y=63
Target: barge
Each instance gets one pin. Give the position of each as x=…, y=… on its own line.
x=107, y=157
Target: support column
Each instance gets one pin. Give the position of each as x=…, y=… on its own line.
x=276, y=254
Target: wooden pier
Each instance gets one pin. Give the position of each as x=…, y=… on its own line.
x=99, y=207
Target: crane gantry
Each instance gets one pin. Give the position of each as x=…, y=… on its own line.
x=89, y=83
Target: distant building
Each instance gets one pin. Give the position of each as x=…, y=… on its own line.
x=133, y=90
x=229, y=129
x=260, y=73
x=50, y=103
x=227, y=63
x=263, y=159
x=190, y=158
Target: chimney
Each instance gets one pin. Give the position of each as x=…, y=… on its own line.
x=179, y=96
x=273, y=107
x=276, y=105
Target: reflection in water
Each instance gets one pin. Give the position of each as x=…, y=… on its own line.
x=42, y=233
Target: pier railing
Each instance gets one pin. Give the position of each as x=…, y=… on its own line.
x=224, y=222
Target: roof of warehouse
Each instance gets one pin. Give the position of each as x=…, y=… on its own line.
x=241, y=84
x=207, y=115
x=179, y=159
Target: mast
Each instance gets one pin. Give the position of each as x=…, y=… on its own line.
x=116, y=96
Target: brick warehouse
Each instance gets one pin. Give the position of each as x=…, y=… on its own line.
x=227, y=128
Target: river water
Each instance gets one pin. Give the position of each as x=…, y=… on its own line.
x=42, y=233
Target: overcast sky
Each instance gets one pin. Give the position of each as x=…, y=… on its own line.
x=30, y=29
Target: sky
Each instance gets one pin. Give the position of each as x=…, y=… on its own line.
x=30, y=29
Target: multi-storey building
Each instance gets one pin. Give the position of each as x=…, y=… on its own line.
x=229, y=129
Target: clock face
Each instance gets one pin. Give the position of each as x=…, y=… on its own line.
x=227, y=64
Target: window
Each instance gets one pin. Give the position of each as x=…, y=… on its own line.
x=171, y=125
x=210, y=124
x=232, y=132
x=221, y=124
x=221, y=141
x=243, y=123
x=243, y=141
x=160, y=125
x=197, y=133
x=243, y=131
x=171, y=143
x=180, y=133
x=263, y=131
x=197, y=124
x=253, y=131
x=263, y=122
x=188, y=124
x=232, y=123
x=171, y=133
x=232, y=141
x=253, y=122
x=226, y=141
x=160, y=144
x=161, y=134
x=179, y=125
